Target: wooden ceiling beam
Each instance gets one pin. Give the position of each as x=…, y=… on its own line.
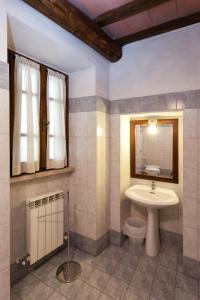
x=159, y=29
x=127, y=10
x=69, y=17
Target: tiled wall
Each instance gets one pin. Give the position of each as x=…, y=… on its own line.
x=89, y=153
x=103, y=182
x=191, y=192
x=82, y=142
x=119, y=172
x=115, y=214
x=4, y=185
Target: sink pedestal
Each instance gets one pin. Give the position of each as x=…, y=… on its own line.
x=152, y=235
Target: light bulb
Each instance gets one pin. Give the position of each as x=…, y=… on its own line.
x=152, y=127
x=99, y=131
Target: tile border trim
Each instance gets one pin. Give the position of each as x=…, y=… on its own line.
x=166, y=237
x=162, y=102
x=92, y=247
x=90, y=103
x=191, y=267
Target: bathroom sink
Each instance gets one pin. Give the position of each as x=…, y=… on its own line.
x=153, y=198
x=159, y=198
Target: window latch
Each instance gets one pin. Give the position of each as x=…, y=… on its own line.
x=46, y=124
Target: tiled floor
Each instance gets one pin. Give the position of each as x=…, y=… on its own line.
x=118, y=273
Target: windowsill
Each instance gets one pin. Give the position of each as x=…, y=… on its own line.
x=27, y=177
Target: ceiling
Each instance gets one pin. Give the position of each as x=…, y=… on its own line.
x=107, y=25
x=159, y=14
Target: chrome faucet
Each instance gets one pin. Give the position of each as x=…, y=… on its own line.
x=153, y=187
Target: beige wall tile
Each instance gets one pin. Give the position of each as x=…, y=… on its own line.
x=198, y=213
x=114, y=195
x=91, y=199
x=115, y=148
x=115, y=125
x=91, y=174
x=190, y=123
x=190, y=212
x=5, y=201
x=5, y=284
x=190, y=157
x=115, y=171
x=4, y=157
x=80, y=200
x=80, y=175
x=81, y=149
x=190, y=182
x=115, y=219
x=78, y=124
x=91, y=150
x=91, y=124
x=81, y=222
x=5, y=246
x=72, y=124
x=72, y=151
x=77, y=150
x=198, y=247
x=91, y=226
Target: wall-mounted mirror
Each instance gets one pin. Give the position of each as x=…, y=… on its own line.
x=154, y=149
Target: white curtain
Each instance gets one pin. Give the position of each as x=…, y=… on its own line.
x=26, y=117
x=56, y=133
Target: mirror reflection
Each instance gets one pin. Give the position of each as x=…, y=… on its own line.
x=154, y=149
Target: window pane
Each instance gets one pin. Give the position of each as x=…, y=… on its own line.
x=36, y=148
x=24, y=78
x=51, y=147
x=34, y=82
x=23, y=149
x=24, y=113
x=51, y=117
x=35, y=115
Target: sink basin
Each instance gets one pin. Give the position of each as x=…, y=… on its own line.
x=160, y=198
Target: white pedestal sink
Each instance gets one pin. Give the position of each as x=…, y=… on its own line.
x=153, y=200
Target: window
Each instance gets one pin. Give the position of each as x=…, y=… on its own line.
x=56, y=138
x=38, y=116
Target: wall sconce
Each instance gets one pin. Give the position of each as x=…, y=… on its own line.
x=152, y=126
x=99, y=131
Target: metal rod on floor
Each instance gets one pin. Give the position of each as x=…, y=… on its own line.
x=69, y=270
x=68, y=239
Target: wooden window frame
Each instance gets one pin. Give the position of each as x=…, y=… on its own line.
x=43, y=123
x=174, y=123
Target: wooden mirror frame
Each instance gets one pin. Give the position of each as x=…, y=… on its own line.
x=174, y=123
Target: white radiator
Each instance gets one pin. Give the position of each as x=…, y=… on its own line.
x=45, y=224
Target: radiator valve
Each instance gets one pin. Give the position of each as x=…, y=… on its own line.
x=23, y=260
